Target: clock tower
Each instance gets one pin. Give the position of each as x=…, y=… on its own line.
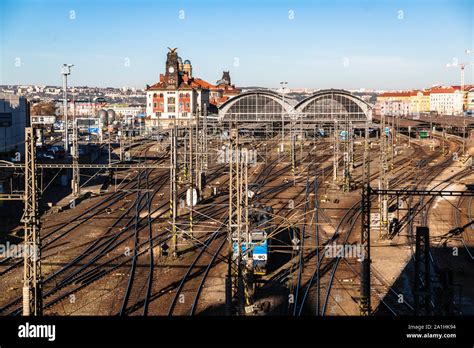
x=172, y=69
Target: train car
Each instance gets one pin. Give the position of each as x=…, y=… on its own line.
x=258, y=242
x=88, y=125
x=424, y=134
x=343, y=135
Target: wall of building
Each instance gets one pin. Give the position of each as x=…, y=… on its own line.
x=186, y=102
x=470, y=100
x=394, y=105
x=447, y=103
x=12, y=137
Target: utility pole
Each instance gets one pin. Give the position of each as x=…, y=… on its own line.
x=422, y=291
x=347, y=154
x=204, y=140
x=173, y=188
x=392, y=141
x=431, y=134
x=201, y=152
x=185, y=159
x=383, y=181
x=409, y=136
x=65, y=71
x=106, y=120
x=302, y=137
x=293, y=150
x=464, y=137
x=318, y=265
x=76, y=175
x=122, y=144
x=32, y=282
x=191, y=174
x=351, y=147
x=238, y=226
x=283, y=86
x=365, y=308
x=444, y=140
x=336, y=151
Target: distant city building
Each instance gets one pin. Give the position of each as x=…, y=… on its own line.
x=470, y=101
x=444, y=100
x=394, y=103
x=419, y=102
x=122, y=110
x=53, y=90
x=14, y=117
x=84, y=107
x=41, y=93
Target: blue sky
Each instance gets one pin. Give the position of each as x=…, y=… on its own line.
x=384, y=44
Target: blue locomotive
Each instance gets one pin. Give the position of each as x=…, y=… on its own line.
x=258, y=241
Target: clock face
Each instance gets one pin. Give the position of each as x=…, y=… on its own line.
x=171, y=70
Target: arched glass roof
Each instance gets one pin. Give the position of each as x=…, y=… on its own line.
x=259, y=106
x=333, y=105
x=268, y=106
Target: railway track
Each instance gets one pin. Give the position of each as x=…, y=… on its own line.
x=135, y=229
x=213, y=247
x=351, y=218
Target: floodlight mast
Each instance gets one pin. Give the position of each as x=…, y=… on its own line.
x=65, y=71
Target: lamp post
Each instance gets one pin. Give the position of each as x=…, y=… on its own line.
x=65, y=71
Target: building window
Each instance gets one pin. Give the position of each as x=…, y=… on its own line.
x=6, y=119
x=171, y=100
x=154, y=105
x=171, y=109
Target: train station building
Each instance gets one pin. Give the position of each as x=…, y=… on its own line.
x=178, y=96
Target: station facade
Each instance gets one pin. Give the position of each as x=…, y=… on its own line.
x=179, y=96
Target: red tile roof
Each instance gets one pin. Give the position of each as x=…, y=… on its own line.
x=395, y=94
x=415, y=92
x=203, y=84
x=442, y=90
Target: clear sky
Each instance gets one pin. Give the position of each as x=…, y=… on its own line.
x=384, y=44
